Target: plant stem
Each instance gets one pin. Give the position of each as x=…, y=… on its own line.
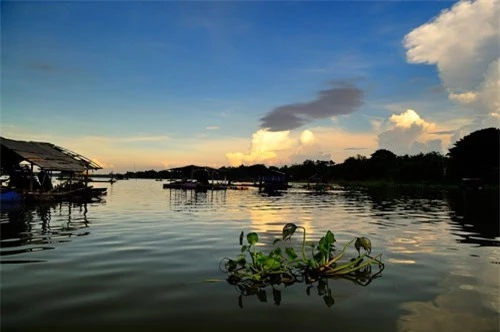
x=347, y=265
x=360, y=266
x=252, y=254
x=339, y=256
x=303, y=244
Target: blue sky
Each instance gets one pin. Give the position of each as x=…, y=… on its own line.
x=153, y=85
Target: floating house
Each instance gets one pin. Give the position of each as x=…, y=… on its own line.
x=317, y=183
x=271, y=181
x=192, y=177
x=18, y=162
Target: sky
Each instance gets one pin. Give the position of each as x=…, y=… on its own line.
x=140, y=85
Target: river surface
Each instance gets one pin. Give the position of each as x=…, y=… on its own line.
x=147, y=259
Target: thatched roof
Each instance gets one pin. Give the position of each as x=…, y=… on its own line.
x=48, y=156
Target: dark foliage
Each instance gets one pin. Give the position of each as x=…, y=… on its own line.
x=476, y=156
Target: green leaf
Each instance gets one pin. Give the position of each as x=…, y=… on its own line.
x=363, y=242
x=291, y=253
x=272, y=264
x=241, y=238
x=244, y=248
x=288, y=230
x=252, y=238
x=260, y=258
x=323, y=246
x=231, y=265
x=330, y=238
x=276, y=252
x=312, y=263
x=276, y=241
x=241, y=260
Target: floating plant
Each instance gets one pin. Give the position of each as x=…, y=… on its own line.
x=253, y=270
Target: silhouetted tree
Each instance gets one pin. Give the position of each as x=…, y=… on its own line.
x=382, y=164
x=476, y=155
x=353, y=168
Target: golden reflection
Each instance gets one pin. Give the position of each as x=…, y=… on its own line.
x=273, y=220
x=401, y=261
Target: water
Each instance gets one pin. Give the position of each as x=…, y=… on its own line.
x=140, y=261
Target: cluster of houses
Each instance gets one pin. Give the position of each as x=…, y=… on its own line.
x=28, y=169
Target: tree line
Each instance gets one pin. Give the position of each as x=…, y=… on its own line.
x=476, y=155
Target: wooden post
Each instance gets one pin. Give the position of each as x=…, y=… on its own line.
x=31, y=177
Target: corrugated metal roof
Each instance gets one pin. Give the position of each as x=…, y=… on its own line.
x=49, y=156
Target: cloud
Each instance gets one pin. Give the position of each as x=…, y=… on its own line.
x=464, y=43
x=41, y=66
x=264, y=148
x=408, y=133
x=354, y=149
x=212, y=128
x=289, y=147
x=437, y=89
x=342, y=98
x=409, y=118
x=463, y=98
x=444, y=132
x=308, y=147
x=307, y=137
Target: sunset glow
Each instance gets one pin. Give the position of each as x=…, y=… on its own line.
x=229, y=85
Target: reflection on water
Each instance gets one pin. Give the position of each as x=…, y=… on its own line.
x=320, y=286
x=34, y=227
x=140, y=261
x=470, y=300
x=473, y=214
x=476, y=213
x=185, y=199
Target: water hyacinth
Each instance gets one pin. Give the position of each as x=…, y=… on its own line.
x=251, y=271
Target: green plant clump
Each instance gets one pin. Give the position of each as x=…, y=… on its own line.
x=252, y=269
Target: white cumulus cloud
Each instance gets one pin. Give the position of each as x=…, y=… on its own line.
x=264, y=147
x=408, y=133
x=464, y=43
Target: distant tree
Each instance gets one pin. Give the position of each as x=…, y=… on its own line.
x=382, y=164
x=353, y=168
x=476, y=155
x=383, y=154
x=427, y=167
